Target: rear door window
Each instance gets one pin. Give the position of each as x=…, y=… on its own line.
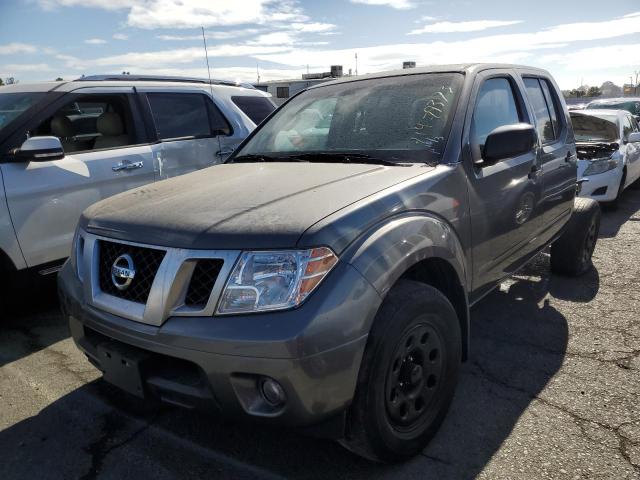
x=185, y=115
x=554, y=106
x=539, y=104
x=256, y=108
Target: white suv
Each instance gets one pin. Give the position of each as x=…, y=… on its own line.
x=66, y=145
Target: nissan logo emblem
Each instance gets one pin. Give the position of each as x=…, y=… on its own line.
x=123, y=272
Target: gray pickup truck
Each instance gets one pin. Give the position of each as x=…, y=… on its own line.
x=322, y=277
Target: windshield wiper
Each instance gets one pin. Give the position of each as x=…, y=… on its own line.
x=260, y=157
x=336, y=157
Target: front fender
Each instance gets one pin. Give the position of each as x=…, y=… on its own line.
x=382, y=256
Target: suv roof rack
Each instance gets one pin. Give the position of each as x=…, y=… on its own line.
x=160, y=78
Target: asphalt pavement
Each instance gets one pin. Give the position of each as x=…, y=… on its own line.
x=552, y=390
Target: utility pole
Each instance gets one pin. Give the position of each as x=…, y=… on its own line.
x=356, y=64
x=258, y=72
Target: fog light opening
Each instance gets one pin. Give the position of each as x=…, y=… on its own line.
x=272, y=392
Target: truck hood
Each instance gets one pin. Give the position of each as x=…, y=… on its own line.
x=239, y=206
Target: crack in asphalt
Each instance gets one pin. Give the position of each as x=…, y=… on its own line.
x=623, y=442
x=102, y=447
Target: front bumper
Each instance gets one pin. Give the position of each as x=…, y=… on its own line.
x=218, y=363
x=602, y=187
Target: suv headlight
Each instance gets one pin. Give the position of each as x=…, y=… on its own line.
x=600, y=165
x=274, y=280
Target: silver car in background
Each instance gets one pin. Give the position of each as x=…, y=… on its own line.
x=66, y=145
x=608, y=147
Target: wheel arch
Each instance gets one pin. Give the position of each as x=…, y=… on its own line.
x=421, y=247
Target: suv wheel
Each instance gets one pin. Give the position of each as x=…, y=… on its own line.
x=408, y=375
x=571, y=253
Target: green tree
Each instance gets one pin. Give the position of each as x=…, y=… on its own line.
x=1, y=82
x=59, y=79
x=594, y=92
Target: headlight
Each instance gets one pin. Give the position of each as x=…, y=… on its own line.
x=600, y=165
x=263, y=281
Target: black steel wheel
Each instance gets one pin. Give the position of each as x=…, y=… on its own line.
x=408, y=374
x=414, y=377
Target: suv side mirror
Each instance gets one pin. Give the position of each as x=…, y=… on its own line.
x=508, y=141
x=633, y=137
x=40, y=149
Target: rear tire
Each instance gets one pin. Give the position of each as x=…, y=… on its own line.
x=571, y=253
x=408, y=374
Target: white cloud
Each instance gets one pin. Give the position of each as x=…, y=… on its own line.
x=471, y=26
x=275, y=38
x=120, y=36
x=151, y=14
x=195, y=13
x=95, y=41
x=216, y=35
x=313, y=27
x=12, y=69
x=13, y=48
x=104, y=4
x=509, y=48
x=397, y=4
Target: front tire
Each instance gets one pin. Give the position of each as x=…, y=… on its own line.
x=615, y=203
x=408, y=375
x=571, y=253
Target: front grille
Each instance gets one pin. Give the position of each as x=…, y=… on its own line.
x=146, y=263
x=202, y=281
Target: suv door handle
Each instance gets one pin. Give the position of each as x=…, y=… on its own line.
x=126, y=165
x=223, y=153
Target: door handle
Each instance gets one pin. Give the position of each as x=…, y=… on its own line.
x=126, y=165
x=533, y=173
x=223, y=153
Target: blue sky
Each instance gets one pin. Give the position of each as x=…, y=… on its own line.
x=586, y=40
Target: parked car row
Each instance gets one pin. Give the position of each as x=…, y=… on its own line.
x=322, y=277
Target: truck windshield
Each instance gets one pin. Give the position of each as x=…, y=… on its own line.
x=594, y=128
x=402, y=118
x=14, y=104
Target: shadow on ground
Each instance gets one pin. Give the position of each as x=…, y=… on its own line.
x=629, y=205
x=30, y=321
x=518, y=344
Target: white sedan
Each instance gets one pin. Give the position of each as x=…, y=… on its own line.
x=608, y=144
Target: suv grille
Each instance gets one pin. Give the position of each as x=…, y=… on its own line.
x=146, y=262
x=202, y=280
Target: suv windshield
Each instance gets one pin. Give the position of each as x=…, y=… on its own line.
x=14, y=104
x=405, y=118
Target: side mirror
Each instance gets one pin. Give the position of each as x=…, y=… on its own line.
x=508, y=141
x=633, y=137
x=40, y=149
